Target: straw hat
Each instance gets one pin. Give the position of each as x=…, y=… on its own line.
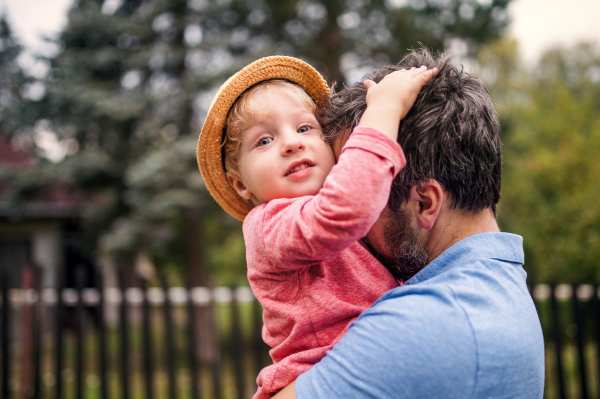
x=209, y=152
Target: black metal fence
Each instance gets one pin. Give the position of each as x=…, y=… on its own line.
x=129, y=341
x=135, y=341
x=570, y=317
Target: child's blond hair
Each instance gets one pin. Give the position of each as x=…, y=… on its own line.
x=241, y=114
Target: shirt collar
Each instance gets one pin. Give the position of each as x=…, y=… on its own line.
x=501, y=246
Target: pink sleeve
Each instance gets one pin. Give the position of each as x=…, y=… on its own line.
x=298, y=232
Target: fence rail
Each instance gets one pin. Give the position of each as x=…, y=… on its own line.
x=133, y=295
x=146, y=342
x=204, y=295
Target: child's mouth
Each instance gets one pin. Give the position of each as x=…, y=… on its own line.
x=298, y=168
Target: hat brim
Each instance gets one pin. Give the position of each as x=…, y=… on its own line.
x=209, y=152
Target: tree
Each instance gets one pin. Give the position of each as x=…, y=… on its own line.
x=551, y=135
x=338, y=37
x=15, y=86
x=131, y=87
x=16, y=91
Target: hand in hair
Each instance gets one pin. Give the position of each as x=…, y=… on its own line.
x=389, y=100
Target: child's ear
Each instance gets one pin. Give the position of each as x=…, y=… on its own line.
x=238, y=185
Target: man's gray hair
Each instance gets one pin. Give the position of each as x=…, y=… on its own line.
x=451, y=134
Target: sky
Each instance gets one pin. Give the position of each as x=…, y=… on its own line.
x=540, y=24
x=536, y=24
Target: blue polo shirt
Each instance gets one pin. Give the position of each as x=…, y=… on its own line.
x=463, y=327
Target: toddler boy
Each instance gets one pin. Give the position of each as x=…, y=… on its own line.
x=303, y=215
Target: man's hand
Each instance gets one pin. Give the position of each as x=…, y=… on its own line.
x=390, y=100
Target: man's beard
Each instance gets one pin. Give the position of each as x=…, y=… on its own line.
x=407, y=256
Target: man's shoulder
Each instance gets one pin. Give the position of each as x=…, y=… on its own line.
x=480, y=310
x=417, y=344
x=471, y=306
x=475, y=294
x=447, y=336
x=426, y=315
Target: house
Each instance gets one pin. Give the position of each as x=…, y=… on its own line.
x=41, y=232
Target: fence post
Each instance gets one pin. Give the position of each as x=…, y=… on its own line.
x=214, y=362
x=557, y=341
x=6, y=355
x=192, y=344
x=580, y=338
x=124, y=337
x=102, y=337
x=147, y=342
x=237, y=356
x=27, y=334
x=58, y=338
x=79, y=351
x=37, y=326
x=170, y=349
x=258, y=344
x=596, y=321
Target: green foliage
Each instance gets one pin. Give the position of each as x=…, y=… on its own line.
x=129, y=89
x=13, y=82
x=551, y=135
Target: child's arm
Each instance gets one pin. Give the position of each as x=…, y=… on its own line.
x=389, y=100
x=297, y=232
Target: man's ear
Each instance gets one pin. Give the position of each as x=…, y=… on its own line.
x=339, y=142
x=238, y=185
x=426, y=200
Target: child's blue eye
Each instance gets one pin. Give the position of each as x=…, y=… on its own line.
x=264, y=141
x=303, y=129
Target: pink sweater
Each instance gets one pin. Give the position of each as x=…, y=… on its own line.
x=305, y=265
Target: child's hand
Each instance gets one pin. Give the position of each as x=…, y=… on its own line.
x=399, y=88
x=389, y=100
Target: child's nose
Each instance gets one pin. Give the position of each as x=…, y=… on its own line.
x=293, y=143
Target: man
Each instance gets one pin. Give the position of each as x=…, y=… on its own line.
x=463, y=325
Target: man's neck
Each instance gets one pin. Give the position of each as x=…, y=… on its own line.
x=454, y=225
